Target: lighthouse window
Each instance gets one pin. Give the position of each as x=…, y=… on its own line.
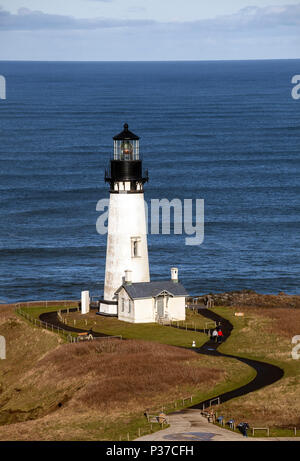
x=135, y=247
x=127, y=150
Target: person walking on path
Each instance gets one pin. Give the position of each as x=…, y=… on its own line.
x=243, y=427
x=220, y=336
x=215, y=335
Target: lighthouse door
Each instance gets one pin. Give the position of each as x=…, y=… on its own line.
x=160, y=306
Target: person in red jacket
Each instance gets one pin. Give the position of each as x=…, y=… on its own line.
x=220, y=335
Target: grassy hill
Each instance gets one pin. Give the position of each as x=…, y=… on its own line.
x=97, y=390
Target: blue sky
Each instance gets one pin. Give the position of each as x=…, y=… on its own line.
x=149, y=29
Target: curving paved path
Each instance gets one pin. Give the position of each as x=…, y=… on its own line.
x=52, y=318
x=266, y=373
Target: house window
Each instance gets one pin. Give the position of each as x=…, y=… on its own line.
x=129, y=306
x=135, y=247
x=123, y=305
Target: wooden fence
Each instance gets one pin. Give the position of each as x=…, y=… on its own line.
x=47, y=326
x=189, y=326
x=49, y=303
x=68, y=335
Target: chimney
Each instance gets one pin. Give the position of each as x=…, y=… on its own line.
x=174, y=274
x=128, y=277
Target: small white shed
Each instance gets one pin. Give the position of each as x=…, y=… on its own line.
x=148, y=302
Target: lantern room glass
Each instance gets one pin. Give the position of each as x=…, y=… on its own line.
x=126, y=149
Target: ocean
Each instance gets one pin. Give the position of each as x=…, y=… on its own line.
x=226, y=132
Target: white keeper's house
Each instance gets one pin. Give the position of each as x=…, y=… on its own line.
x=128, y=292
x=145, y=302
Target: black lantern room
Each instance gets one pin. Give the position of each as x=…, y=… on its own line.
x=126, y=145
x=126, y=165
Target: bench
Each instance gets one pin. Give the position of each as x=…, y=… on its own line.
x=160, y=418
x=85, y=336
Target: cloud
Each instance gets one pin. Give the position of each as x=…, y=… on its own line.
x=27, y=19
x=136, y=9
x=249, y=20
x=246, y=20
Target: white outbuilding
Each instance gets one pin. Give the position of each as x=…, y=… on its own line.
x=148, y=302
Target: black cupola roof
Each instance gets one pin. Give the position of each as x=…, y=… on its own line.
x=126, y=135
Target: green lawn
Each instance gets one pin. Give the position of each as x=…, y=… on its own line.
x=36, y=311
x=145, y=331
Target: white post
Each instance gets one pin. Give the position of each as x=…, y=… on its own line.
x=85, y=302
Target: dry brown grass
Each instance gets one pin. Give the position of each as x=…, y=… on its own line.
x=285, y=321
x=5, y=312
x=118, y=373
x=252, y=299
x=99, y=384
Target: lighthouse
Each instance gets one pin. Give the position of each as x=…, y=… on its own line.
x=127, y=249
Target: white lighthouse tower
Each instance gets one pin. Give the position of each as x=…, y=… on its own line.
x=127, y=232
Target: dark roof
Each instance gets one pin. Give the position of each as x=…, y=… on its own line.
x=152, y=289
x=126, y=134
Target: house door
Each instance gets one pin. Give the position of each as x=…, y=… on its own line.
x=160, y=306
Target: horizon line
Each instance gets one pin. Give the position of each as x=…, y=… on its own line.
x=151, y=61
